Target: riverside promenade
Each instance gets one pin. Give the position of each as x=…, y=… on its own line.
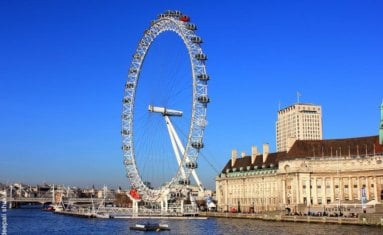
x=375, y=219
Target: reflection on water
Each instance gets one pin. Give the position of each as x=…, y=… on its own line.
x=34, y=221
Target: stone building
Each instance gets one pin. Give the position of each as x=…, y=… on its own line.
x=313, y=173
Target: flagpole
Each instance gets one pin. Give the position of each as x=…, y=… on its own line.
x=298, y=95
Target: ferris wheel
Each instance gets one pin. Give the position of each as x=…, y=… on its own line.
x=185, y=152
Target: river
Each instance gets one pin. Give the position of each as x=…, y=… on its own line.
x=35, y=221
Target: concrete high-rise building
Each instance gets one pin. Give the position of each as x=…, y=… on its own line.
x=298, y=122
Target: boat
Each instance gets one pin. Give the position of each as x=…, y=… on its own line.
x=54, y=208
x=101, y=215
x=150, y=227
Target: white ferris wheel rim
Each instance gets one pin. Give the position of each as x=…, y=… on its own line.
x=185, y=30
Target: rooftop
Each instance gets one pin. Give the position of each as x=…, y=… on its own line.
x=330, y=148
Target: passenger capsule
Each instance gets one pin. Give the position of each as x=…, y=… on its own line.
x=184, y=18
x=125, y=132
x=137, y=56
x=126, y=147
x=127, y=100
x=143, y=43
x=203, y=77
x=197, y=145
x=201, y=56
x=184, y=181
x=204, y=99
x=190, y=26
x=133, y=70
x=196, y=39
x=129, y=85
x=191, y=165
x=177, y=13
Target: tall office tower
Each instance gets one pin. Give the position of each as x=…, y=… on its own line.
x=298, y=122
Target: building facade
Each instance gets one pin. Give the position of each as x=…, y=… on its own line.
x=298, y=122
x=312, y=174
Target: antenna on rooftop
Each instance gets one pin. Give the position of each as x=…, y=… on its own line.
x=298, y=95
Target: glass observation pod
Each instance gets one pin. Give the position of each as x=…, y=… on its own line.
x=204, y=99
x=178, y=13
x=127, y=100
x=173, y=13
x=196, y=39
x=203, y=77
x=197, y=145
x=132, y=70
x=191, y=165
x=136, y=56
x=184, y=18
x=148, y=31
x=143, y=43
x=191, y=26
x=201, y=56
x=125, y=147
x=125, y=117
x=184, y=181
x=129, y=85
x=125, y=132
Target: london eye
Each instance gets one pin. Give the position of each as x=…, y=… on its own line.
x=181, y=115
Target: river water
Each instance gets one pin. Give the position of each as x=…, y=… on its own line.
x=34, y=221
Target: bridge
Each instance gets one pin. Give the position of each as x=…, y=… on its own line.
x=13, y=202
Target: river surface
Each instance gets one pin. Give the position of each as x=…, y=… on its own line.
x=35, y=221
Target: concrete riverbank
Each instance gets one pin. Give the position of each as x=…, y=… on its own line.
x=363, y=219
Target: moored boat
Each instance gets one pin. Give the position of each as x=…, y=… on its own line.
x=150, y=227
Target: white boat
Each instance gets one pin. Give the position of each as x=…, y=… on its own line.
x=150, y=227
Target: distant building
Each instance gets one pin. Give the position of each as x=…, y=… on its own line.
x=298, y=122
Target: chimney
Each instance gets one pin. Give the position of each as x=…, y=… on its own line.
x=254, y=153
x=233, y=157
x=243, y=154
x=265, y=152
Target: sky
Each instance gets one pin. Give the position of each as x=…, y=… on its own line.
x=63, y=66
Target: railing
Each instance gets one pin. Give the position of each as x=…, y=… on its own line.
x=45, y=199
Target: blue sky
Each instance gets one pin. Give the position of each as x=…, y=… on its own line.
x=63, y=65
